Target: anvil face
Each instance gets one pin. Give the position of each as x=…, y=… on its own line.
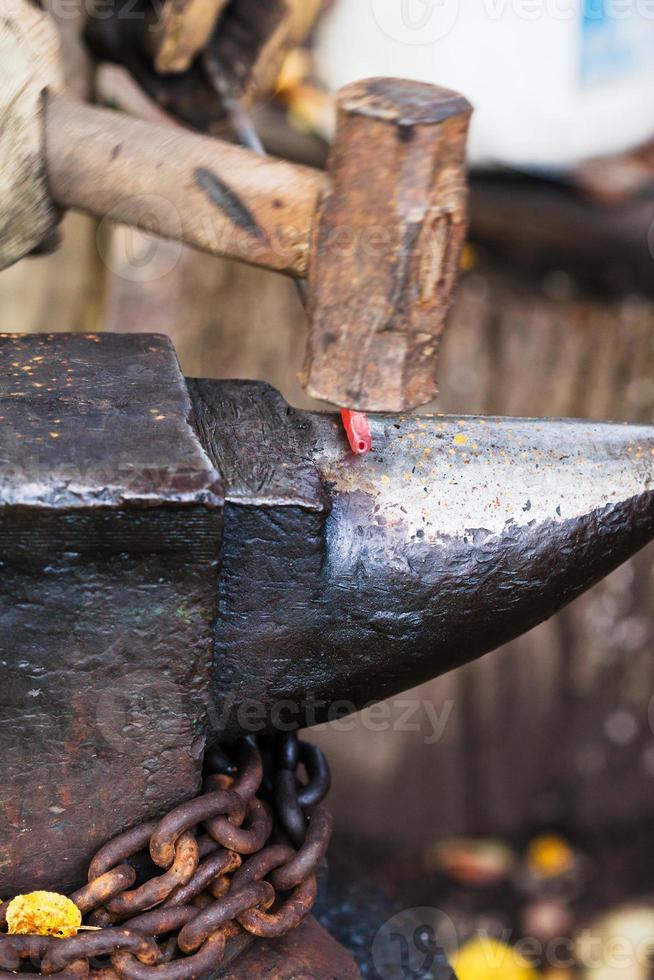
x=177, y=557
x=351, y=579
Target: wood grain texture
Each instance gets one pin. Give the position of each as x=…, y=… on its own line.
x=212, y=195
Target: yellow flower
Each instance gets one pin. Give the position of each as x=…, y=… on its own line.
x=43, y=914
x=489, y=959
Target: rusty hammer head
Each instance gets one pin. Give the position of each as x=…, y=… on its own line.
x=379, y=236
x=387, y=244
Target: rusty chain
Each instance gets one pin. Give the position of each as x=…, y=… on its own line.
x=238, y=862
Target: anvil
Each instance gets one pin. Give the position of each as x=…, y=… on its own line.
x=185, y=560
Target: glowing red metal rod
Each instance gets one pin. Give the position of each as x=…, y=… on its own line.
x=357, y=430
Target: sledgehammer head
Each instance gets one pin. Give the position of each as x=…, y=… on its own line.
x=387, y=244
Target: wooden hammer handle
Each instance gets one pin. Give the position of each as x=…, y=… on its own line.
x=205, y=192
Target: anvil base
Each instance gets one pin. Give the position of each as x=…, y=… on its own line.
x=307, y=952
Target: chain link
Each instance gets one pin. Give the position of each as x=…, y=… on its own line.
x=238, y=861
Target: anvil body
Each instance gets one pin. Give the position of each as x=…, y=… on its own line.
x=188, y=560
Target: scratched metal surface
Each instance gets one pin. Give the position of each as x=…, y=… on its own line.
x=456, y=476
x=98, y=419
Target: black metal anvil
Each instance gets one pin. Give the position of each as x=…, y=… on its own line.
x=174, y=551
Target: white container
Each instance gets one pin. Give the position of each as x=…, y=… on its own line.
x=553, y=82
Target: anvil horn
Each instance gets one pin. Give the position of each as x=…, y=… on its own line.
x=172, y=551
x=350, y=579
